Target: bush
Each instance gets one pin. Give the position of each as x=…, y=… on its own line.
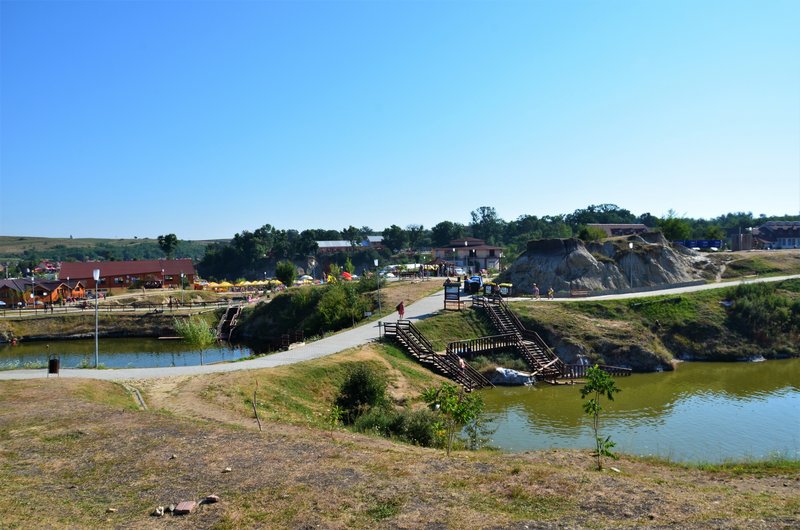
x=380, y=420
x=362, y=389
x=418, y=427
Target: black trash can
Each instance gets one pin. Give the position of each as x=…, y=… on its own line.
x=53, y=365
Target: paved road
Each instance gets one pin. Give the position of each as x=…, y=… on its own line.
x=327, y=346
x=338, y=342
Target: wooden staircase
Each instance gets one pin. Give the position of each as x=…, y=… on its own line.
x=447, y=364
x=544, y=363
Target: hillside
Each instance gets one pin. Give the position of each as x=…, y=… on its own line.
x=95, y=461
x=13, y=248
x=570, y=264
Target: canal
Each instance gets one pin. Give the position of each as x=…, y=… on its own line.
x=116, y=353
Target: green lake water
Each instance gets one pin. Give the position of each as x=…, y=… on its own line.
x=707, y=412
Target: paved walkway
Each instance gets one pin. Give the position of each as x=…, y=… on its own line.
x=338, y=342
x=327, y=346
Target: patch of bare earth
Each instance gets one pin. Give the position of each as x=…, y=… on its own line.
x=66, y=459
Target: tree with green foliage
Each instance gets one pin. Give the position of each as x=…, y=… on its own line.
x=675, y=228
x=446, y=231
x=348, y=265
x=286, y=272
x=196, y=332
x=598, y=384
x=395, y=238
x=362, y=388
x=168, y=243
x=487, y=225
x=456, y=407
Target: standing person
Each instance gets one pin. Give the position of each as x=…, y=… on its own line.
x=550, y=293
x=401, y=310
x=462, y=364
x=536, y=292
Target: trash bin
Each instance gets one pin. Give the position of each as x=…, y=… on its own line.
x=53, y=365
x=506, y=289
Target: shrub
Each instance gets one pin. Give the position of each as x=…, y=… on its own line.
x=362, y=389
x=418, y=427
x=195, y=331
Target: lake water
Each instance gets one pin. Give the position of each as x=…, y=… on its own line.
x=117, y=353
x=707, y=412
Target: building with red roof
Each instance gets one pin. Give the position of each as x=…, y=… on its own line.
x=125, y=274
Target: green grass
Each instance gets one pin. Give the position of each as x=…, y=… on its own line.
x=750, y=266
x=454, y=325
x=771, y=466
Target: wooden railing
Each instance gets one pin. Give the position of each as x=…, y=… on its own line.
x=472, y=347
x=576, y=371
x=448, y=364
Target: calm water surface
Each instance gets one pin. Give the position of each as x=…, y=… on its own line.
x=117, y=353
x=700, y=412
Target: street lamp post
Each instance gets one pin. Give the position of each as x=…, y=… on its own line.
x=630, y=267
x=96, y=276
x=181, y=288
x=33, y=298
x=378, y=277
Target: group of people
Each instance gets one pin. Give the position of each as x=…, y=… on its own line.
x=536, y=295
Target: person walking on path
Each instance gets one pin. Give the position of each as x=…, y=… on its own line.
x=401, y=310
x=550, y=293
x=536, y=292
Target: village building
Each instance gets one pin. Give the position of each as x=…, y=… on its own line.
x=330, y=247
x=126, y=274
x=469, y=252
x=779, y=234
x=16, y=291
x=616, y=230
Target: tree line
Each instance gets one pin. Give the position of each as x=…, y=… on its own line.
x=251, y=254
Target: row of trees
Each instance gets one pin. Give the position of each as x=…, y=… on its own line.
x=250, y=254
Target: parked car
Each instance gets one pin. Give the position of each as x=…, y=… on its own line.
x=473, y=284
x=459, y=271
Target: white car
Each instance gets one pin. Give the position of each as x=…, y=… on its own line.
x=459, y=271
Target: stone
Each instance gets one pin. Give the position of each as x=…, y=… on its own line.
x=227, y=470
x=158, y=512
x=185, y=507
x=111, y=510
x=171, y=508
x=615, y=470
x=211, y=499
x=173, y=457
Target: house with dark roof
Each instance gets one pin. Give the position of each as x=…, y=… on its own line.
x=469, y=252
x=126, y=274
x=615, y=230
x=779, y=234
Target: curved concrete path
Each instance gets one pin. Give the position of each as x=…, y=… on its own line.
x=327, y=346
x=338, y=342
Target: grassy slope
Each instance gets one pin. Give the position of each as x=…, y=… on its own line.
x=648, y=332
x=79, y=448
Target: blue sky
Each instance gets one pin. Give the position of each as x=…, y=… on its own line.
x=203, y=119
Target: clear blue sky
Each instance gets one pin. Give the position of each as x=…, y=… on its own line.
x=203, y=119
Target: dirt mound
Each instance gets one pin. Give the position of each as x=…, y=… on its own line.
x=619, y=263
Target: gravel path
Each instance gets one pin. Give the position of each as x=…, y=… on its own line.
x=338, y=342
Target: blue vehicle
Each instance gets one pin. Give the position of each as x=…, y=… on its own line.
x=473, y=284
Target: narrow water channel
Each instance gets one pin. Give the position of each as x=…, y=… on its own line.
x=701, y=412
x=116, y=353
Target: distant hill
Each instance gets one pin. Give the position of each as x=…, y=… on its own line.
x=15, y=248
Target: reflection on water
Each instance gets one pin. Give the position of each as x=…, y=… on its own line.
x=117, y=353
x=700, y=412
